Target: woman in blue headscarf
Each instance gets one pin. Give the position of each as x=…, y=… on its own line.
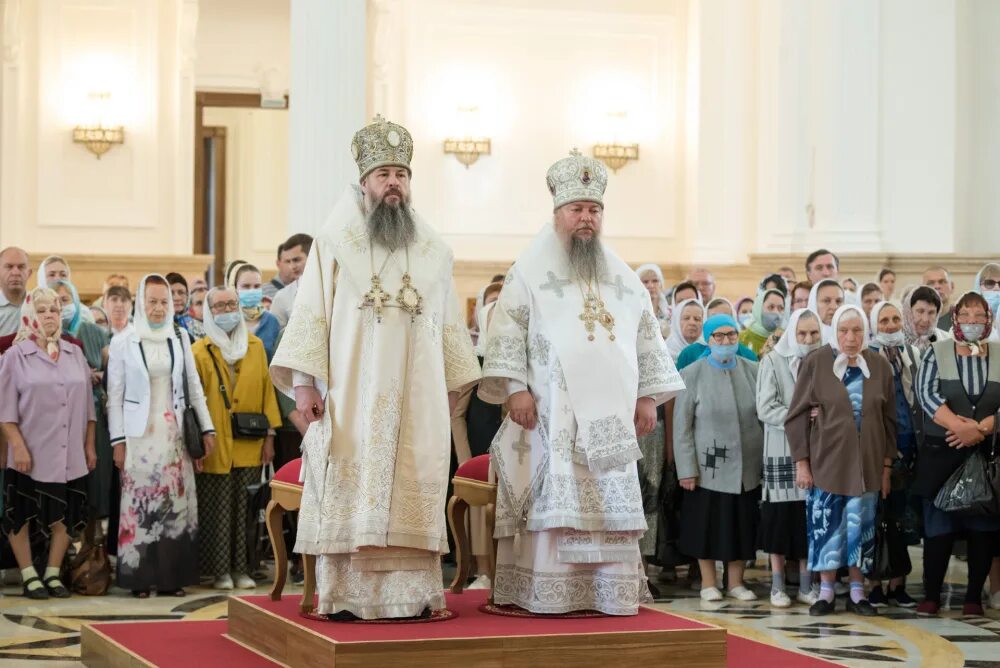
x=95, y=348
x=719, y=459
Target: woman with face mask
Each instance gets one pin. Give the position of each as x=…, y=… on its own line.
x=247, y=282
x=229, y=357
x=718, y=444
x=958, y=386
x=95, y=348
x=988, y=285
x=744, y=311
x=693, y=352
x=767, y=317
x=841, y=429
x=900, y=506
x=783, y=511
x=158, y=522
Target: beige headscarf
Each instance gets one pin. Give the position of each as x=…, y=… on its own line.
x=31, y=329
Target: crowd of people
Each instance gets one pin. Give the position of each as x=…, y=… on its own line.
x=145, y=417
x=154, y=412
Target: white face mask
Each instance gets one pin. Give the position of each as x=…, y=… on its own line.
x=887, y=340
x=806, y=348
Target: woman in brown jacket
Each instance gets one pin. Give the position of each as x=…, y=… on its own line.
x=841, y=429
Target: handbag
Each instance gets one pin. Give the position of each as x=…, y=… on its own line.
x=245, y=425
x=191, y=427
x=892, y=559
x=90, y=569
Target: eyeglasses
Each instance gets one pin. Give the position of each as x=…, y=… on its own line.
x=989, y=284
x=725, y=337
x=225, y=307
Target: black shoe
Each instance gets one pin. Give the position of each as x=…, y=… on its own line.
x=877, y=597
x=862, y=608
x=56, y=587
x=821, y=608
x=654, y=591
x=37, y=594
x=342, y=616
x=901, y=599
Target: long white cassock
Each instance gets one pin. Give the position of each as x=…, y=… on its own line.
x=569, y=511
x=375, y=468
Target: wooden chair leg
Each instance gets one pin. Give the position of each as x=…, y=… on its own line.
x=458, y=511
x=491, y=517
x=309, y=582
x=273, y=518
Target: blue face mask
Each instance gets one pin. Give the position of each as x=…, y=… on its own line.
x=973, y=332
x=771, y=321
x=993, y=299
x=68, y=313
x=227, y=322
x=724, y=353
x=251, y=298
x=157, y=325
x=745, y=319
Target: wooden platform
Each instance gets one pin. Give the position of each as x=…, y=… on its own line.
x=276, y=630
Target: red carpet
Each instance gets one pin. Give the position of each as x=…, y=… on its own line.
x=471, y=623
x=744, y=653
x=183, y=644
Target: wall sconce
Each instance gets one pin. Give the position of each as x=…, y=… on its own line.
x=614, y=154
x=468, y=150
x=96, y=137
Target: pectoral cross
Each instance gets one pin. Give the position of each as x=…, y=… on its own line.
x=595, y=312
x=376, y=298
x=522, y=447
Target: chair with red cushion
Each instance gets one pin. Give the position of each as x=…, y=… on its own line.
x=474, y=484
x=286, y=495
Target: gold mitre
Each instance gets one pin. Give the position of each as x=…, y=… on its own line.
x=381, y=144
x=577, y=179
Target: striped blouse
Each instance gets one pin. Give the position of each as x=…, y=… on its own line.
x=972, y=371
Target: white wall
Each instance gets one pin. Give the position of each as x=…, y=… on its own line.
x=56, y=197
x=243, y=45
x=256, y=181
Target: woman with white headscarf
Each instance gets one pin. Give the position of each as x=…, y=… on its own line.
x=841, y=429
x=147, y=395
x=782, y=531
x=232, y=366
x=888, y=340
x=825, y=297
x=851, y=286
x=652, y=277
x=685, y=326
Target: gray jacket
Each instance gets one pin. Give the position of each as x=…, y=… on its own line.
x=717, y=436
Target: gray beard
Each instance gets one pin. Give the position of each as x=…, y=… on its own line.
x=586, y=256
x=391, y=226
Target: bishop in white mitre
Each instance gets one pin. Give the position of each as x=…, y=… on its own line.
x=575, y=351
x=375, y=353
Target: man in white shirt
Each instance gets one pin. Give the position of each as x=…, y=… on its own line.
x=14, y=274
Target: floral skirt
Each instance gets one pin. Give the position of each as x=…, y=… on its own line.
x=841, y=530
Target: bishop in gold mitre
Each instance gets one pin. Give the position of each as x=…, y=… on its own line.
x=575, y=351
x=375, y=353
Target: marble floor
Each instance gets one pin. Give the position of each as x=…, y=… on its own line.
x=47, y=633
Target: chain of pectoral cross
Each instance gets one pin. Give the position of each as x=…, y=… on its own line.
x=594, y=312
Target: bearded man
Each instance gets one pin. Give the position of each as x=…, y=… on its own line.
x=375, y=354
x=575, y=351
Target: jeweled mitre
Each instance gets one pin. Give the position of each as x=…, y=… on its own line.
x=575, y=179
x=381, y=144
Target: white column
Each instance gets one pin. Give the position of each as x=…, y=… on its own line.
x=327, y=106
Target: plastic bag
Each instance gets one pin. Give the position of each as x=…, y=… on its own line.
x=968, y=491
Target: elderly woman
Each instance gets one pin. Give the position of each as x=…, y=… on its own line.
x=988, y=285
x=259, y=322
x=783, y=511
x=47, y=419
x=958, y=386
x=767, y=316
x=147, y=395
x=886, y=281
x=841, y=428
x=95, y=348
x=888, y=340
x=652, y=277
x=825, y=297
x=685, y=326
x=694, y=352
x=921, y=308
x=718, y=443
x=232, y=366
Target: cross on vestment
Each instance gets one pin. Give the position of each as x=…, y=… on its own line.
x=376, y=298
x=619, y=287
x=714, y=454
x=522, y=447
x=555, y=284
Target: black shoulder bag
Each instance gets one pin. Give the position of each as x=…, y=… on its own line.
x=250, y=426
x=191, y=426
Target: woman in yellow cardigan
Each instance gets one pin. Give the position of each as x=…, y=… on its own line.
x=229, y=351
